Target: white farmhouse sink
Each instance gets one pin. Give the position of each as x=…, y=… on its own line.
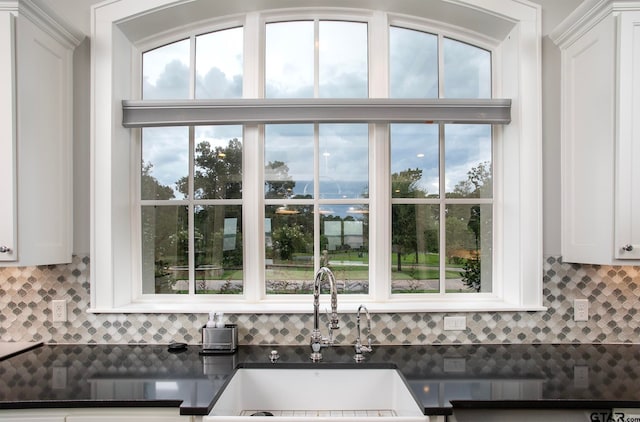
x=354, y=395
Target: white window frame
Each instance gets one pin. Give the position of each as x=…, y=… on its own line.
x=517, y=190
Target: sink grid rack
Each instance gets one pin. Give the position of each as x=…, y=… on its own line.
x=323, y=413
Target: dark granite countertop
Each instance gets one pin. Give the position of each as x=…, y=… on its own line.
x=441, y=377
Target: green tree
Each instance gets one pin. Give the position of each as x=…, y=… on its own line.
x=217, y=175
x=287, y=240
x=150, y=187
x=404, y=237
x=217, y=172
x=478, y=184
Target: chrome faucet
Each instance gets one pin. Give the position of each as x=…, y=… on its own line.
x=360, y=348
x=317, y=341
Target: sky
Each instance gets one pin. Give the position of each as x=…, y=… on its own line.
x=342, y=72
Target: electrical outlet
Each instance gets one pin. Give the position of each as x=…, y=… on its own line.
x=581, y=309
x=457, y=323
x=59, y=308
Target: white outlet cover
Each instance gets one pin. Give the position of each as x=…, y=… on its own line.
x=455, y=323
x=581, y=309
x=59, y=310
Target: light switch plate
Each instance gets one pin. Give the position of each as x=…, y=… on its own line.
x=457, y=323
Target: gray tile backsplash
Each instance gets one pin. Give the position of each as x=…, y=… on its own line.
x=26, y=293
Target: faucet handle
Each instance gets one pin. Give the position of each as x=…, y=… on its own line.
x=333, y=322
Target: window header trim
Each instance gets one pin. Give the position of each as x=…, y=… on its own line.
x=148, y=113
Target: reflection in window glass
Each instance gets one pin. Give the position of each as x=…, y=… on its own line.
x=165, y=163
x=289, y=253
x=165, y=72
x=415, y=245
x=343, y=60
x=413, y=64
x=288, y=161
x=165, y=249
x=289, y=60
x=219, y=64
x=469, y=239
x=468, y=168
x=218, y=249
x=467, y=70
x=344, y=244
x=218, y=162
x=414, y=161
x=344, y=161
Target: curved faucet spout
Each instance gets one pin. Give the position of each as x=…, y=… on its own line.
x=317, y=341
x=360, y=348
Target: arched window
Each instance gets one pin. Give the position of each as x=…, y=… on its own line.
x=276, y=143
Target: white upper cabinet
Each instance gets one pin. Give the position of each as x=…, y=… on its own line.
x=8, y=219
x=36, y=153
x=627, y=195
x=600, y=135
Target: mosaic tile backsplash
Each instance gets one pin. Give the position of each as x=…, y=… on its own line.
x=26, y=294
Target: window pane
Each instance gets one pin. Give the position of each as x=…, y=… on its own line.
x=343, y=67
x=218, y=249
x=415, y=243
x=165, y=72
x=218, y=162
x=165, y=249
x=165, y=163
x=288, y=161
x=469, y=245
x=344, y=244
x=414, y=161
x=468, y=164
x=413, y=64
x=219, y=64
x=344, y=161
x=467, y=70
x=289, y=60
x=289, y=249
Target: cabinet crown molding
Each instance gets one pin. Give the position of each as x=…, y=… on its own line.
x=585, y=17
x=47, y=23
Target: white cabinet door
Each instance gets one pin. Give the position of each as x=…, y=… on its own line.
x=36, y=146
x=587, y=150
x=601, y=136
x=8, y=220
x=627, y=221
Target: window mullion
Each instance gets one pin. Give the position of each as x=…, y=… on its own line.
x=440, y=67
x=191, y=208
x=379, y=63
x=443, y=210
x=316, y=58
x=253, y=213
x=253, y=57
x=380, y=214
x=192, y=63
x=316, y=190
x=191, y=213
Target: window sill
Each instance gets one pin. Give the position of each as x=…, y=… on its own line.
x=306, y=306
